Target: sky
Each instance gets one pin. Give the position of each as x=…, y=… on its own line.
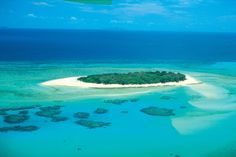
x=158, y=15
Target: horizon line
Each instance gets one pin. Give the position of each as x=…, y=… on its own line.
x=118, y=30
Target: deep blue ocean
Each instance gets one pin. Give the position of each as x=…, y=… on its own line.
x=32, y=44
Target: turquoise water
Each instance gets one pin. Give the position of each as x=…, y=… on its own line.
x=203, y=124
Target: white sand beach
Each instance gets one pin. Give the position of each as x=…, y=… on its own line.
x=74, y=82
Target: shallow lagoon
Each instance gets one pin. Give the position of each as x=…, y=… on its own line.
x=204, y=127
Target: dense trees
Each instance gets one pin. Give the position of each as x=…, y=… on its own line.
x=134, y=78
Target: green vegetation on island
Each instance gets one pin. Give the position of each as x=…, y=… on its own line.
x=134, y=78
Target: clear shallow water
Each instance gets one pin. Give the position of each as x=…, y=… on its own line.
x=204, y=128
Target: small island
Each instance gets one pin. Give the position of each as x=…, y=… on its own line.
x=125, y=80
x=134, y=78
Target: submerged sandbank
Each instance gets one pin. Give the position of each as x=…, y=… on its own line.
x=190, y=124
x=210, y=91
x=74, y=82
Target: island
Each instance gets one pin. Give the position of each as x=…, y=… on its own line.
x=125, y=80
x=134, y=78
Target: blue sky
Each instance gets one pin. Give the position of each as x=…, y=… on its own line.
x=160, y=15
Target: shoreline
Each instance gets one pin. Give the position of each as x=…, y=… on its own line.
x=74, y=82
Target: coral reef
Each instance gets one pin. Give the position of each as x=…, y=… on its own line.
x=165, y=97
x=100, y=111
x=23, y=112
x=125, y=112
x=3, y=112
x=19, y=108
x=81, y=115
x=20, y=128
x=120, y=101
x=156, y=111
x=59, y=119
x=14, y=118
x=116, y=101
x=134, y=100
x=92, y=124
x=49, y=112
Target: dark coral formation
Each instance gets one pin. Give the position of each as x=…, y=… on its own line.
x=100, y=111
x=49, y=112
x=116, y=101
x=56, y=107
x=182, y=107
x=156, y=111
x=125, y=112
x=165, y=97
x=19, y=108
x=120, y=101
x=81, y=115
x=134, y=100
x=28, y=128
x=3, y=113
x=59, y=119
x=14, y=118
x=175, y=155
x=92, y=124
x=23, y=112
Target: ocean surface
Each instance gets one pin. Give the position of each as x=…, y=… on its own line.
x=203, y=124
x=125, y=46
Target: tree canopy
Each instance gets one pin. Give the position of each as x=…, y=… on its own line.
x=134, y=78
